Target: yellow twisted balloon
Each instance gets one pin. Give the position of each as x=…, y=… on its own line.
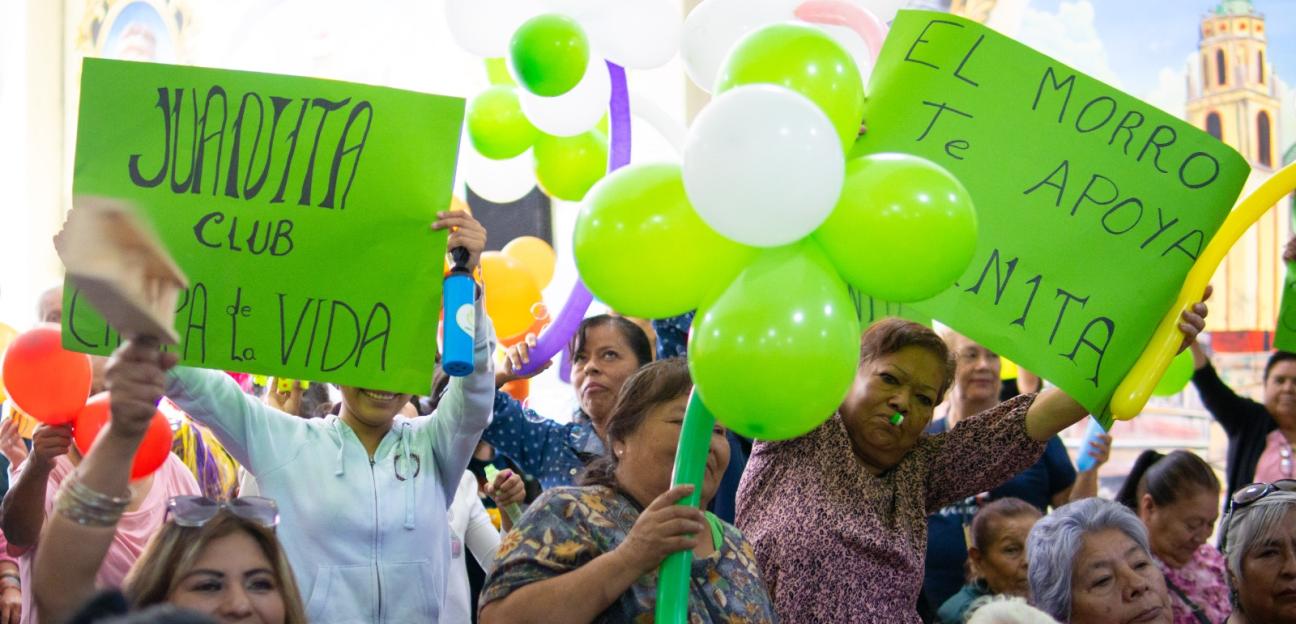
x=1132, y=394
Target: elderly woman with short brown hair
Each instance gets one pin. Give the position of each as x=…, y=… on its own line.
x=839, y=516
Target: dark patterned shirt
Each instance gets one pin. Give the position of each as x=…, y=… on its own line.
x=838, y=544
x=568, y=527
x=554, y=453
x=672, y=335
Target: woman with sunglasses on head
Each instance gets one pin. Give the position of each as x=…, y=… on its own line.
x=1260, y=548
x=222, y=560
x=31, y=501
x=363, y=493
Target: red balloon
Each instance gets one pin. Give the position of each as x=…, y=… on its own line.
x=43, y=379
x=153, y=449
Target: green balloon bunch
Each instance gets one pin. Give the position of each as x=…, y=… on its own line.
x=548, y=55
x=775, y=344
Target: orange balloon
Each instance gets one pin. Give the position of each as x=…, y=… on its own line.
x=534, y=254
x=153, y=449
x=43, y=379
x=518, y=388
x=535, y=328
x=511, y=292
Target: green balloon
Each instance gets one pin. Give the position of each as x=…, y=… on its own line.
x=567, y=167
x=775, y=354
x=803, y=59
x=903, y=230
x=549, y=53
x=1177, y=376
x=641, y=249
x=497, y=126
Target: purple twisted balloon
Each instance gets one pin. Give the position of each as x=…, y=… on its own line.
x=560, y=332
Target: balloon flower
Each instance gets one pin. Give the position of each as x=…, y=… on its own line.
x=763, y=228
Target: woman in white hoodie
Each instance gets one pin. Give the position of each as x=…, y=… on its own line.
x=363, y=495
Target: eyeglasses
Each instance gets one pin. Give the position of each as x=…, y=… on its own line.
x=1249, y=495
x=196, y=511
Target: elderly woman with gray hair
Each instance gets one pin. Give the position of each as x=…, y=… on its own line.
x=1260, y=547
x=1090, y=564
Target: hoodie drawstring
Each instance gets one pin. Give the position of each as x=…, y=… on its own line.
x=409, y=483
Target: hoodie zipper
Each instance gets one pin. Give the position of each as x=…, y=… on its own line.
x=377, y=572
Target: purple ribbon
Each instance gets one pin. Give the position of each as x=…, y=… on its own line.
x=559, y=334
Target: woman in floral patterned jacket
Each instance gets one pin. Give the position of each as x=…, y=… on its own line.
x=1177, y=496
x=839, y=516
x=591, y=553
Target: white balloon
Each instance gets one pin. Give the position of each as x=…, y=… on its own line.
x=485, y=27
x=575, y=111
x=763, y=165
x=714, y=26
x=636, y=34
x=499, y=181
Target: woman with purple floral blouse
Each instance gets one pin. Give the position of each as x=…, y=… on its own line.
x=838, y=517
x=1177, y=496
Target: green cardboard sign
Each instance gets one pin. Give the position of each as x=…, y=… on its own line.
x=1285, y=334
x=1092, y=205
x=299, y=209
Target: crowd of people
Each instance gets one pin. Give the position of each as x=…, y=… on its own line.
x=932, y=494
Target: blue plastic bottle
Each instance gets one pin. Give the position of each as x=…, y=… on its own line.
x=1085, y=461
x=460, y=317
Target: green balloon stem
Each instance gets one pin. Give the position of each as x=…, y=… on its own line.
x=690, y=465
x=497, y=72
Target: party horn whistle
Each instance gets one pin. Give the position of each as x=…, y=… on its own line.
x=1133, y=392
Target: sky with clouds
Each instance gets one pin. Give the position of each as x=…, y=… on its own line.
x=1142, y=47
